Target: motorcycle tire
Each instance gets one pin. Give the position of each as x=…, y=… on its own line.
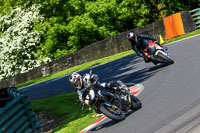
x=164, y=57
x=112, y=115
x=135, y=103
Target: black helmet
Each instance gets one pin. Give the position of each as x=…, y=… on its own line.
x=131, y=36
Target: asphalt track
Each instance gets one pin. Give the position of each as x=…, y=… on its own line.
x=170, y=98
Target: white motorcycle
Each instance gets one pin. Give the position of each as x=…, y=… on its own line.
x=157, y=54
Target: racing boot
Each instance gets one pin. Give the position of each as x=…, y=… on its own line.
x=146, y=60
x=154, y=62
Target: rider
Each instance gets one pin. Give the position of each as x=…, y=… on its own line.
x=81, y=83
x=139, y=43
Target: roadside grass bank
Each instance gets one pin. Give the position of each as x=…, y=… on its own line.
x=62, y=106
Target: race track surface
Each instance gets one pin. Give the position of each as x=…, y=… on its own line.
x=170, y=98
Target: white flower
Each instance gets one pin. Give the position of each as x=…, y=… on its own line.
x=18, y=41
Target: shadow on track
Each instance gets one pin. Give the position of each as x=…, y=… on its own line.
x=143, y=74
x=127, y=69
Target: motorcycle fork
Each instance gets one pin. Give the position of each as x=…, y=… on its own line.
x=127, y=94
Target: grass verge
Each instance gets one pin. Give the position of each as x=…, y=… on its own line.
x=62, y=105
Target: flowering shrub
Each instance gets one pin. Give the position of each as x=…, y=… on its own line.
x=19, y=41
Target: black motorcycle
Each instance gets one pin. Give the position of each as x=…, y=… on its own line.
x=113, y=102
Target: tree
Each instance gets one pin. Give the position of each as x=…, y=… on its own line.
x=67, y=26
x=19, y=41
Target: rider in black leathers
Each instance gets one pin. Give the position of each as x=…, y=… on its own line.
x=139, y=42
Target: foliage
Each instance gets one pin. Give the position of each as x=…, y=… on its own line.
x=18, y=41
x=73, y=24
x=62, y=107
x=163, y=8
x=70, y=25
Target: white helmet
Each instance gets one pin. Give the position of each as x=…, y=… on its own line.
x=76, y=80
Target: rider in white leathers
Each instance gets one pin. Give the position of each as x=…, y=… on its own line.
x=82, y=83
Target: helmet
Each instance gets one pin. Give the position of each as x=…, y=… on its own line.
x=131, y=36
x=76, y=80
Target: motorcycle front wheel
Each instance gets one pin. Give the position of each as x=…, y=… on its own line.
x=164, y=57
x=110, y=112
x=135, y=103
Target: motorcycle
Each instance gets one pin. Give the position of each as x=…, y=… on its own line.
x=157, y=54
x=113, y=103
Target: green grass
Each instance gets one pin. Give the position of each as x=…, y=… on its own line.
x=62, y=105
